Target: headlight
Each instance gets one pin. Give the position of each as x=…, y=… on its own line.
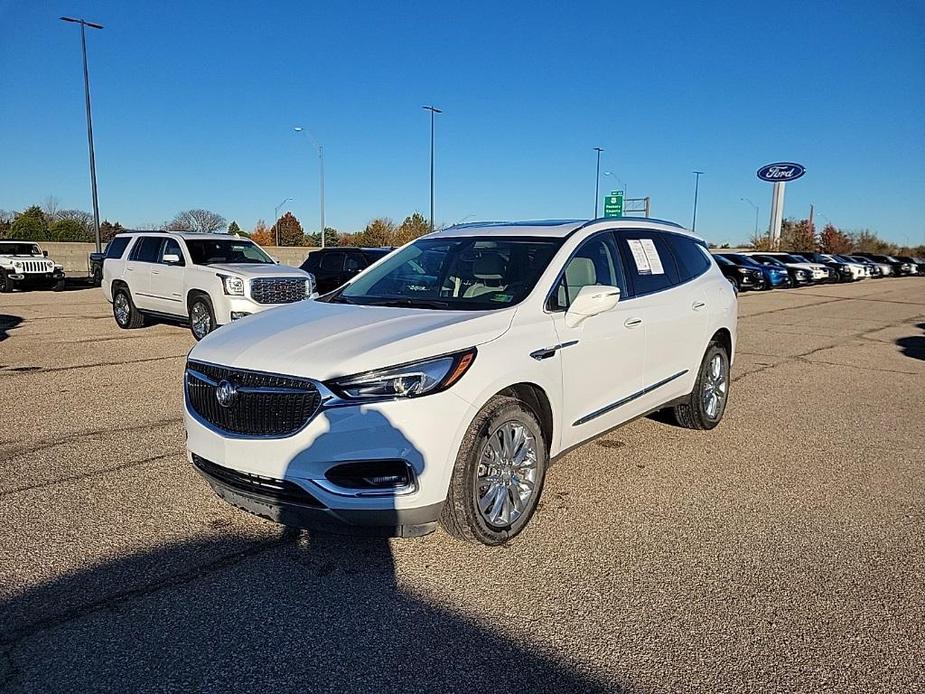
x=407, y=380
x=232, y=285
x=801, y=273
x=310, y=285
x=743, y=271
x=17, y=264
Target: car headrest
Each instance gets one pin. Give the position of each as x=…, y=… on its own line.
x=580, y=273
x=489, y=266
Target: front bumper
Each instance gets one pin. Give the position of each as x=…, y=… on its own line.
x=424, y=432
x=36, y=279
x=235, y=307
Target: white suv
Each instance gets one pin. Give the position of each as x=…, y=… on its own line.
x=440, y=382
x=207, y=279
x=24, y=264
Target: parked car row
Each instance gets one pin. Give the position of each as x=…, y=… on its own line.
x=761, y=270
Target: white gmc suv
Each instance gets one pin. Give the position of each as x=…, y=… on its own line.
x=440, y=382
x=207, y=279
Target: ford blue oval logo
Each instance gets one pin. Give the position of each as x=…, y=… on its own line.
x=781, y=172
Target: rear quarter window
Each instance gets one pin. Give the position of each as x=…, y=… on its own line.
x=117, y=247
x=691, y=256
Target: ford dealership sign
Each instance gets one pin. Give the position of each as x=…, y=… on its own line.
x=781, y=172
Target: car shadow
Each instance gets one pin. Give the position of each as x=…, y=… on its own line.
x=913, y=345
x=8, y=323
x=288, y=610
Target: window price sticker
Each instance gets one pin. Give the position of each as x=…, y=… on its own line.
x=646, y=257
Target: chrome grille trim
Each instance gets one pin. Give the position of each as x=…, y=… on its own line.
x=278, y=290
x=266, y=405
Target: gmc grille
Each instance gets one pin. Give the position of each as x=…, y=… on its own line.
x=284, y=290
x=261, y=404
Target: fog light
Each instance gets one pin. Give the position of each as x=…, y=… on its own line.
x=235, y=315
x=373, y=477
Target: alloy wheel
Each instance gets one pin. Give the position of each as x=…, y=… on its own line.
x=507, y=474
x=201, y=320
x=715, y=386
x=121, y=308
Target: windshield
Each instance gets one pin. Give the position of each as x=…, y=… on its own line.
x=723, y=261
x=744, y=260
x=19, y=249
x=222, y=251
x=475, y=273
x=786, y=258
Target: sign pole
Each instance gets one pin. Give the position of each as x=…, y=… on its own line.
x=777, y=213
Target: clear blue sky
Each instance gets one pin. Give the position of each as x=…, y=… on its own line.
x=194, y=104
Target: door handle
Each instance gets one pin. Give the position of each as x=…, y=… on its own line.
x=632, y=322
x=697, y=305
x=155, y=272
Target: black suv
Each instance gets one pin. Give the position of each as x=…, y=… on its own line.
x=332, y=267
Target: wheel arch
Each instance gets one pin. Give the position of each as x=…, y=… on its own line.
x=724, y=338
x=194, y=294
x=534, y=397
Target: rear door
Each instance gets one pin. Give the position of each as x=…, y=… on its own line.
x=141, y=260
x=330, y=271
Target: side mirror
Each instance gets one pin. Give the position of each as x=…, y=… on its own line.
x=44, y=254
x=591, y=300
x=171, y=259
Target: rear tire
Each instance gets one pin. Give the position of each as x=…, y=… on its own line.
x=201, y=317
x=704, y=407
x=498, y=476
x=127, y=315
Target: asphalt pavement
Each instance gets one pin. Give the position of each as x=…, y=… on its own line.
x=783, y=551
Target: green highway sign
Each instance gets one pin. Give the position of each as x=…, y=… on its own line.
x=613, y=204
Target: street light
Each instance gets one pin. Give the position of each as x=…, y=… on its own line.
x=617, y=179
x=597, y=180
x=756, y=213
x=83, y=44
x=433, y=111
x=318, y=146
x=698, y=174
x=276, y=218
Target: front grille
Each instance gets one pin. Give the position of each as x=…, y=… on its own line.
x=262, y=404
x=272, y=290
x=281, y=490
x=36, y=266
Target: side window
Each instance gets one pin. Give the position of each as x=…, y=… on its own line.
x=691, y=256
x=649, y=263
x=596, y=262
x=354, y=262
x=311, y=263
x=171, y=247
x=147, y=249
x=117, y=246
x=333, y=262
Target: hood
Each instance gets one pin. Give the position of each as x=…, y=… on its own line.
x=251, y=270
x=321, y=340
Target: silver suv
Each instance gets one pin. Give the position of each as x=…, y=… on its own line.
x=206, y=279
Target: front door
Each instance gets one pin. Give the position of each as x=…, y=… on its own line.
x=602, y=356
x=167, y=281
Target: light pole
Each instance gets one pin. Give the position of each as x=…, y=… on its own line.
x=276, y=218
x=320, y=148
x=756, y=213
x=697, y=174
x=433, y=112
x=597, y=180
x=83, y=44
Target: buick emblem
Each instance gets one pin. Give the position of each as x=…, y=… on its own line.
x=226, y=393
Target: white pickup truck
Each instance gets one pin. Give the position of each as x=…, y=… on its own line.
x=24, y=265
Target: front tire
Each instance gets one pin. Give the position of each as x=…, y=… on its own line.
x=127, y=315
x=498, y=476
x=704, y=407
x=201, y=317
x=6, y=284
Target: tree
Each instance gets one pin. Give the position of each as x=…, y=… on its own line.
x=30, y=225
x=379, y=232
x=290, y=231
x=108, y=230
x=261, y=235
x=831, y=240
x=6, y=222
x=50, y=208
x=234, y=229
x=70, y=230
x=414, y=226
x=866, y=241
x=196, y=220
x=331, y=238
x=798, y=235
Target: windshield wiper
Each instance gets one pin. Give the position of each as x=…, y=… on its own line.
x=411, y=302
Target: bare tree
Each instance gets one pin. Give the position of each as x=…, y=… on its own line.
x=85, y=219
x=50, y=207
x=196, y=220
